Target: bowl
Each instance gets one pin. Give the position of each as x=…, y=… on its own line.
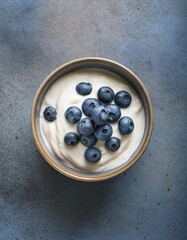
x=100, y=64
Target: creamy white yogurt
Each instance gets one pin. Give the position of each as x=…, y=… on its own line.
x=62, y=94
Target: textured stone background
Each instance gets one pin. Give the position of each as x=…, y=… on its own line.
x=149, y=200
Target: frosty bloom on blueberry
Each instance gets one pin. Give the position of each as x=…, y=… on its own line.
x=73, y=114
x=106, y=94
x=71, y=139
x=88, y=105
x=126, y=125
x=50, y=113
x=84, y=88
x=123, y=99
x=86, y=127
x=100, y=115
x=114, y=112
x=92, y=155
x=113, y=144
x=88, y=141
x=103, y=132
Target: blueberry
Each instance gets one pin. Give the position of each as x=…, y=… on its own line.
x=88, y=105
x=73, y=114
x=114, y=112
x=123, y=99
x=103, y=132
x=71, y=139
x=88, y=141
x=113, y=144
x=84, y=88
x=99, y=115
x=92, y=154
x=106, y=94
x=85, y=127
x=50, y=113
x=126, y=125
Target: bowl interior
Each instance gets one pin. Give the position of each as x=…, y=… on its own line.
x=99, y=63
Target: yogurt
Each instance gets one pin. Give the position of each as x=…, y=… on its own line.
x=62, y=94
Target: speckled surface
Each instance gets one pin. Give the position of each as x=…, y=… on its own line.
x=146, y=202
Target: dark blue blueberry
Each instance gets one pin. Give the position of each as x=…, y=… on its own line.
x=123, y=99
x=92, y=155
x=71, y=139
x=88, y=105
x=84, y=88
x=103, y=132
x=126, y=125
x=88, y=141
x=99, y=115
x=73, y=114
x=114, y=112
x=113, y=144
x=106, y=94
x=50, y=113
x=85, y=127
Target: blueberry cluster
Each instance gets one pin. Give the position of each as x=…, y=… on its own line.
x=100, y=114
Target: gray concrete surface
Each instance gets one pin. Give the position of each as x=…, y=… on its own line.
x=149, y=200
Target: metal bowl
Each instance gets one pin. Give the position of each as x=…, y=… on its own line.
x=100, y=63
